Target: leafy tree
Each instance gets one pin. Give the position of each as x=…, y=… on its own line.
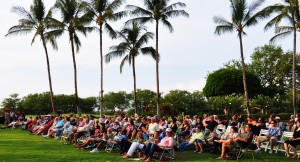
x=146, y=100
x=13, y=102
x=38, y=21
x=36, y=103
x=104, y=11
x=287, y=12
x=74, y=21
x=113, y=100
x=134, y=38
x=198, y=103
x=242, y=16
x=158, y=11
x=229, y=104
x=230, y=81
x=272, y=66
x=65, y=103
x=180, y=100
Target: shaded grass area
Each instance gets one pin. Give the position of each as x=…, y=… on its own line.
x=18, y=145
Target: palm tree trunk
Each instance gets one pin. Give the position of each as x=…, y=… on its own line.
x=294, y=72
x=49, y=75
x=75, y=75
x=134, y=84
x=244, y=74
x=101, y=75
x=157, y=74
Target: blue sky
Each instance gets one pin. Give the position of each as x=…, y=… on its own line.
x=187, y=55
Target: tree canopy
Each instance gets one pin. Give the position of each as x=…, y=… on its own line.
x=230, y=81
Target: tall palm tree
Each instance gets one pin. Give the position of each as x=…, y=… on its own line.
x=74, y=21
x=103, y=11
x=133, y=41
x=242, y=16
x=158, y=11
x=38, y=21
x=287, y=12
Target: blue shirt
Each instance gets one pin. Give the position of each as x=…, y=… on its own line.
x=60, y=124
x=274, y=132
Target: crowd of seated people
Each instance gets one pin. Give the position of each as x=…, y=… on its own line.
x=150, y=135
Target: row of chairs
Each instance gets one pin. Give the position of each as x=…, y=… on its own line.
x=280, y=143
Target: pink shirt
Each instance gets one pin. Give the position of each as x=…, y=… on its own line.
x=166, y=142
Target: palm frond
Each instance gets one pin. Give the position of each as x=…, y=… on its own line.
x=166, y=23
x=36, y=34
x=280, y=36
x=21, y=11
x=175, y=13
x=115, y=4
x=15, y=30
x=280, y=29
x=174, y=6
x=112, y=33
x=138, y=11
x=140, y=20
x=126, y=58
x=77, y=42
x=144, y=39
x=223, y=29
x=274, y=22
x=113, y=54
x=253, y=6
x=149, y=51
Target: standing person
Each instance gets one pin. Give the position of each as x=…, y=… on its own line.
x=7, y=118
x=293, y=142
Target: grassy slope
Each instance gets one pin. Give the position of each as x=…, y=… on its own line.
x=17, y=145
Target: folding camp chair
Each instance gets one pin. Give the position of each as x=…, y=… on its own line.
x=167, y=153
x=237, y=151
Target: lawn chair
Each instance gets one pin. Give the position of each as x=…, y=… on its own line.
x=285, y=136
x=265, y=145
x=111, y=146
x=167, y=153
x=237, y=151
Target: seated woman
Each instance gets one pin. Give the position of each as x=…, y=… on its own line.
x=97, y=137
x=52, y=129
x=139, y=143
x=106, y=137
x=196, y=138
x=230, y=136
x=151, y=148
x=293, y=142
x=46, y=127
x=184, y=130
x=243, y=140
x=80, y=131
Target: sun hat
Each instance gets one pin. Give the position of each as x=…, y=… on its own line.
x=168, y=130
x=277, y=118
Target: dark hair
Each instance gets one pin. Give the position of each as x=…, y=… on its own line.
x=235, y=129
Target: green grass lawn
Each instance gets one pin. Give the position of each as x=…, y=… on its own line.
x=18, y=145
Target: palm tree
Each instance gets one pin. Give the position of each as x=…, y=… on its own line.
x=242, y=16
x=104, y=11
x=287, y=12
x=74, y=21
x=133, y=41
x=38, y=21
x=158, y=11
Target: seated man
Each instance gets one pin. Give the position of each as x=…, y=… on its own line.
x=151, y=148
x=273, y=135
x=243, y=140
x=197, y=139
